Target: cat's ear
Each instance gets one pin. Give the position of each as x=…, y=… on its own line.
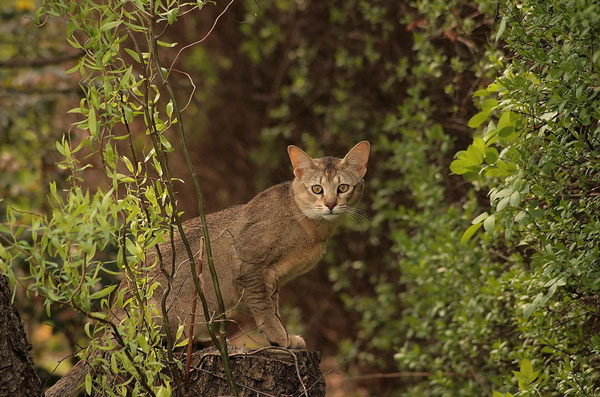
x=357, y=158
x=300, y=161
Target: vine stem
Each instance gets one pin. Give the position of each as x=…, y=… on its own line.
x=169, y=277
x=222, y=343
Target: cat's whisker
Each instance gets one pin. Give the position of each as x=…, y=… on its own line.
x=358, y=216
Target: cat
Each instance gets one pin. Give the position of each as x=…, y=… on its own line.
x=258, y=247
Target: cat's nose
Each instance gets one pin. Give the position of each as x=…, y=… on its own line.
x=330, y=206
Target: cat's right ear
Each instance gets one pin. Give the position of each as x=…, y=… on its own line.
x=300, y=161
x=357, y=158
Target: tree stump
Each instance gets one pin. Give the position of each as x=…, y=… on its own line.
x=269, y=371
x=17, y=372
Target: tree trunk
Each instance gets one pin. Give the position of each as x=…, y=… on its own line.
x=258, y=372
x=17, y=372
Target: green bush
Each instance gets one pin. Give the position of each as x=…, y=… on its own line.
x=543, y=188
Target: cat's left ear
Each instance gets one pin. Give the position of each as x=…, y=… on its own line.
x=300, y=161
x=357, y=158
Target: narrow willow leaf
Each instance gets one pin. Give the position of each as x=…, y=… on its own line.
x=469, y=233
x=165, y=44
x=133, y=54
x=109, y=25
x=501, y=28
x=103, y=292
x=88, y=383
x=170, y=108
x=93, y=128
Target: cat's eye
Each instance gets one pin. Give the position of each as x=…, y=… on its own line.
x=343, y=188
x=317, y=189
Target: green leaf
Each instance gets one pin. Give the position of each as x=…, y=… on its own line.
x=469, y=233
x=128, y=164
x=489, y=223
x=103, y=292
x=533, y=305
x=494, y=87
x=501, y=28
x=489, y=104
x=515, y=199
x=88, y=383
x=165, y=44
x=506, y=131
x=478, y=119
x=172, y=15
x=93, y=128
x=133, y=54
x=502, y=204
x=107, y=57
x=491, y=155
x=527, y=370
x=109, y=25
x=165, y=142
x=480, y=218
x=505, y=120
x=459, y=167
x=521, y=217
x=170, y=108
x=163, y=392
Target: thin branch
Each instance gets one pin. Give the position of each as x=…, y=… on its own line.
x=202, y=39
x=192, y=321
x=222, y=344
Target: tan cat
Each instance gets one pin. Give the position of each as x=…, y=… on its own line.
x=257, y=247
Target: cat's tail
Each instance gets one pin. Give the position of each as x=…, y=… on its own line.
x=70, y=384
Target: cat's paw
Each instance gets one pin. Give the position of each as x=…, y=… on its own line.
x=296, y=342
x=292, y=342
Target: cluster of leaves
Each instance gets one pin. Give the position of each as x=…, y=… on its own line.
x=131, y=212
x=544, y=187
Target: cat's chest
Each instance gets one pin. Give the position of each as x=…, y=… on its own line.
x=298, y=262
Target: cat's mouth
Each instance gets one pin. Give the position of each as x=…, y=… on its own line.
x=330, y=216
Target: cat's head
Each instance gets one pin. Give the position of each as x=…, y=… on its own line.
x=327, y=187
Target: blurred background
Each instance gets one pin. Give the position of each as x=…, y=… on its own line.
x=397, y=307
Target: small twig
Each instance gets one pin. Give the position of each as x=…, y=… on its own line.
x=59, y=363
x=83, y=272
x=192, y=320
x=202, y=39
x=193, y=87
x=338, y=365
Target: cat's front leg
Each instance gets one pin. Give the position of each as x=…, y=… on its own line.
x=262, y=299
x=294, y=341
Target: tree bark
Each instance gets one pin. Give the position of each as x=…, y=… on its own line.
x=17, y=372
x=258, y=372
